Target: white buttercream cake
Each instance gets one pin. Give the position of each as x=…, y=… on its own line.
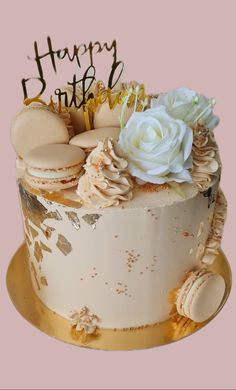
x=117, y=225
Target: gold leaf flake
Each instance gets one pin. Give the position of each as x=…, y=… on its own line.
x=54, y=215
x=63, y=245
x=73, y=218
x=91, y=219
x=38, y=252
x=48, y=231
x=27, y=239
x=33, y=232
x=45, y=247
x=43, y=281
x=35, y=275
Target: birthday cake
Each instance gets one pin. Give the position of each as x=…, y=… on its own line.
x=122, y=209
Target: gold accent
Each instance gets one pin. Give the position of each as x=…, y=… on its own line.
x=57, y=197
x=38, y=253
x=43, y=281
x=64, y=245
x=45, y=247
x=33, y=269
x=32, y=309
x=91, y=219
x=74, y=219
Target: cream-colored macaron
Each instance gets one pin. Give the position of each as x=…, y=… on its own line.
x=37, y=125
x=54, y=167
x=200, y=295
x=89, y=139
x=107, y=117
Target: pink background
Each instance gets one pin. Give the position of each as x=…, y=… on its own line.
x=164, y=44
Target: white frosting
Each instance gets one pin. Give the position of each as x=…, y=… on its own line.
x=158, y=147
x=106, y=181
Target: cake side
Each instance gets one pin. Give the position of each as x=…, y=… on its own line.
x=121, y=263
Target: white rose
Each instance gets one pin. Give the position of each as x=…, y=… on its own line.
x=157, y=146
x=186, y=104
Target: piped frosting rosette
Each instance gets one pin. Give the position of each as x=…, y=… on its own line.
x=106, y=181
x=205, y=159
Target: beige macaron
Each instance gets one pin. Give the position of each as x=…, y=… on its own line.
x=89, y=139
x=200, y=296
x=106, y=116
x=37, y=125
x=54, y=167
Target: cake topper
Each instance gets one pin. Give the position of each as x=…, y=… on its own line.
x=73, y=55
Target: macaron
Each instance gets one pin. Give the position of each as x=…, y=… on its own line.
x=110, y=117
x=200, y=295
x=89, y=139
x=54, y=167
x=37, y=125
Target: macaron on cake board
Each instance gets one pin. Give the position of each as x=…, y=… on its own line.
x=123, y=214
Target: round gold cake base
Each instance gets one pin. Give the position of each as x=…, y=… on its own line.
x=32, y=309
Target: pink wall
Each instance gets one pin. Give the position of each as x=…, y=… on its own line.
x=164, y=44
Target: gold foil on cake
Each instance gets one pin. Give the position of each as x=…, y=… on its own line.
x=48, y=231
x=63, y=245
x=27, y=239
x=54, y=215
x=43, y=281
x=33, y=269
x=91, y=219
x=38, y=253
x=73, y=218
x=50, y=197
x=33, y=232
x=45, y=247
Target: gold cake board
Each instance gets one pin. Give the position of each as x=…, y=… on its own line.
x=33, y=310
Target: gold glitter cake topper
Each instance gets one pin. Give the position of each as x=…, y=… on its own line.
x=73, y=55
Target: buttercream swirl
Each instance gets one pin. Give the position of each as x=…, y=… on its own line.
x=106, y=181
x=204, y=155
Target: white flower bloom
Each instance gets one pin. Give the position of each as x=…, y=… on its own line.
x=157, y=146
x=186, y=104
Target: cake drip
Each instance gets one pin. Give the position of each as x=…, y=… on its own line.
x=204, y=155
x=106, y=181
